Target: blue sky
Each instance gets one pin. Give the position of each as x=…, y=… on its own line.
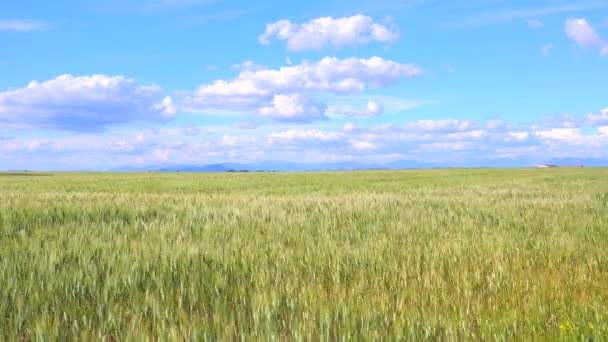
x=101, y=84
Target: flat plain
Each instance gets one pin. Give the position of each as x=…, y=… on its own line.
x=418, y=254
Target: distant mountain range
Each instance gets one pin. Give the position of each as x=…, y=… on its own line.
x=274, y=166
x=402, y=164
x=291, y=166
x=285, y=166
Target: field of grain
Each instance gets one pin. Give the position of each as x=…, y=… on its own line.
x=436, y=254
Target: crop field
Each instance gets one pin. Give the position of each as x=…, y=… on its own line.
x=418, y=254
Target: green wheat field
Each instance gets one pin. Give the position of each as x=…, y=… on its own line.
x=419, y=254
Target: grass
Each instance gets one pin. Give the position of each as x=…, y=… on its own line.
x=433, y=254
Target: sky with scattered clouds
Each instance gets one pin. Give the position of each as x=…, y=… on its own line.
x=94, y=85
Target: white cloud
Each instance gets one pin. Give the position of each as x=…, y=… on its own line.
x=294, y=107
x=496, y=124
x=441, y=125
x=161, y=155
x=546, y=49
x=140, y=138
x=349, y=127
x=330, y=74
x=38, y=145
x=443, y=147
x=22, y=26
x=372, y=109
x=585, y=36
x=474, y=135
x=305, y=135
x=286, y=93
x=598, y=119
x=361, y=144
x=84, y=103
x=238, y=141
x=449, y=132
x=519, y=136
x=359, y=105
x=535, y=23
x=448, y=141
x=166, y=108
x=134, y=145
x=327, y=31
x=560, y=121
x=566, y=134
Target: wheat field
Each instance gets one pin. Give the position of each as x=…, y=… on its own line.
x=451, y=254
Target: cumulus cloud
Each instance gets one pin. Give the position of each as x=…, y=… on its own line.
x=286, y=93
x=585, y=36
x=327, y=31
x=295, y=135
x=238, y=141
x=519, y=136
x=445, y=134
x=449, y=141
x=40, y=144
x=22, y=26
x=348, y=76
x=473, y=135
x=294, y=107
x=84, y=103
x=29, y=146
x=349, y=127
x=441, y=125
x=372, y=109
x=134, y=145
x=567, y=134
x=361, y=144
x=427, y=132
x=560, y=121
x=598, y=119
x=444, y=147
x=362, y=105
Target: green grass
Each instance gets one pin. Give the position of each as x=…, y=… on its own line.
x=434, y=254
